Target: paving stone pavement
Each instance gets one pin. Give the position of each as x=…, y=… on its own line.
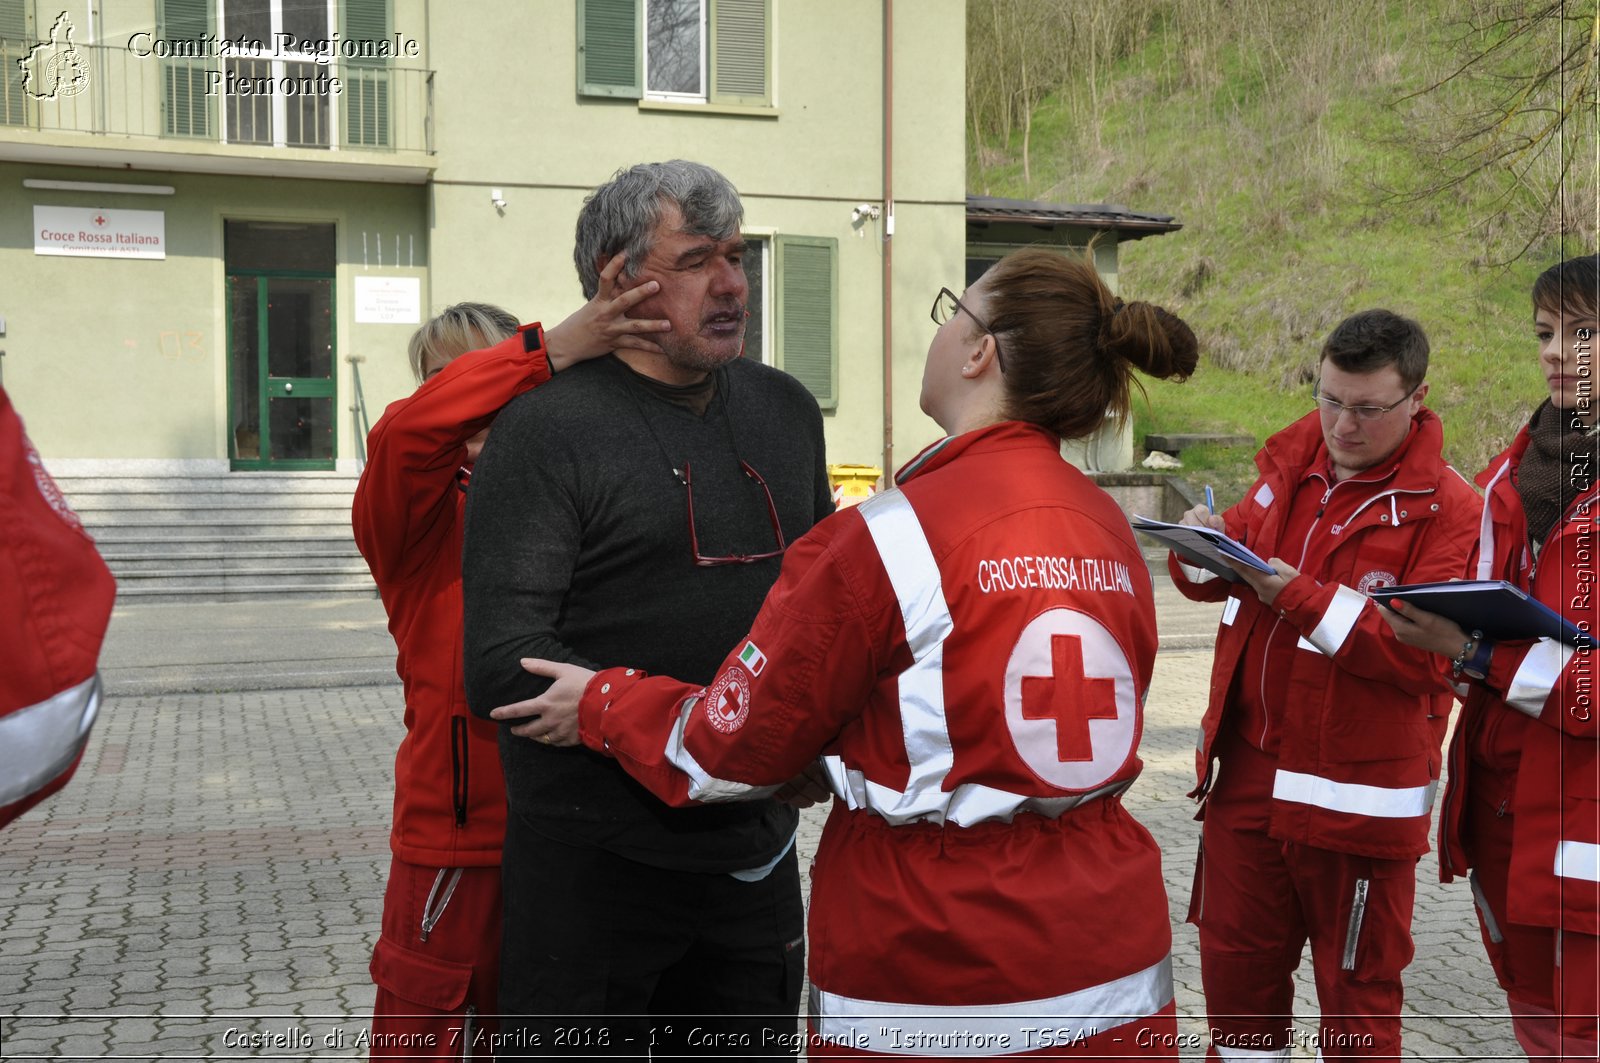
x=209, y=884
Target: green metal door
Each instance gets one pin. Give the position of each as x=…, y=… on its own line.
x=283, y=388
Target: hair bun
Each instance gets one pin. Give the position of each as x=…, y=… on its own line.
x=1150, y=338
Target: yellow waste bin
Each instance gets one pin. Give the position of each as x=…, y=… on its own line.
x=853, y=484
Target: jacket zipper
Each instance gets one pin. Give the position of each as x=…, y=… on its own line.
x=1358, y=912
x=430, y=914
x=1322, y=508
x=1261, y=681
x=458, y=768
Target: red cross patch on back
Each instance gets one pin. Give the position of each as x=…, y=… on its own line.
x=1071, y=706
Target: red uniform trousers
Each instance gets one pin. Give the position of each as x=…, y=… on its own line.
x=1554, y=993
x=1257, y=900
x=1152, y=1037
x=434, y=991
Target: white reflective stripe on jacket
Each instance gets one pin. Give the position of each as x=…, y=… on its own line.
x=39, y=742
x=1384, y=802
x=991, y=1029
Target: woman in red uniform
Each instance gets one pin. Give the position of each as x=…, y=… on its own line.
x=436, y=963
x=967, y=655
x=1522, y=809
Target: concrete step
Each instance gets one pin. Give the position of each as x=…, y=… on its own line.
x=226, y=515
x=254, y=570
x=227, y=537
x=135, y=543
x=72, y=486
x=124, y=566
x=245, y=592
x=326, y=526
x=118, y=543
x=211, y=494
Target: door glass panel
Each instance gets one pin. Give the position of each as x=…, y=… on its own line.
x=243, y=369
x=302, y=428
x=285, y=245
x=300, y=327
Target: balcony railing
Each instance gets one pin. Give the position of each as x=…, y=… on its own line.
x=359, y=105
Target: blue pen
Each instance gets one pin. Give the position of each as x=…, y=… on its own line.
x=1211, y=500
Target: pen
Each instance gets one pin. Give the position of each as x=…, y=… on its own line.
x=1211, y=500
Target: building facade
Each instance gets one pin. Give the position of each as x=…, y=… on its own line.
x=222, y=219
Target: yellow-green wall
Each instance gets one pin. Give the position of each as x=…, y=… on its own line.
x=125, y=358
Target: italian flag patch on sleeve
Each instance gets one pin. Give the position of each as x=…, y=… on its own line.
x=752, y=658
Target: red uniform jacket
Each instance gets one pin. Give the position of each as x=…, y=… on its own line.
x=1361, y=716
x=449, y=796
x=1535, y=713
x=970, y=654
x=55, y=601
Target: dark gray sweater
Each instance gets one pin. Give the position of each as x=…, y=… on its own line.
x=577, y=549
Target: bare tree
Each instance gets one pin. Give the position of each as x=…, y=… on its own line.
x=1519, y=106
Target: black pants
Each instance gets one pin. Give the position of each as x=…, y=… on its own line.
x=604, y=956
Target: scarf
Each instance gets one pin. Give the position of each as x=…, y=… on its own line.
x=1562, y=461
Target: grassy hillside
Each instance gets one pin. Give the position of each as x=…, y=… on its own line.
x=1277, y=132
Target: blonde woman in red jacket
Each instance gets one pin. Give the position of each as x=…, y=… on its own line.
x=964, y=658
x=436, y=963
x=1521, y=812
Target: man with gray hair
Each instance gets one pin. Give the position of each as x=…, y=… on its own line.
x=634, y=511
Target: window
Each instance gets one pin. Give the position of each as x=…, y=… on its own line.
x=15, y=44
x=366, y=81
x=756, y=269
x=705, y=51
x=793, y=322
x=270, y=93
x=300, y=120
x=805, y=327
x=186, y=109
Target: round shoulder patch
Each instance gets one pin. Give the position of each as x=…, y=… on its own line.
x=727, y=700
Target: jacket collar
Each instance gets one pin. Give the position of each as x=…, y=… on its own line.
x=1289, y=455
x=1004, y=435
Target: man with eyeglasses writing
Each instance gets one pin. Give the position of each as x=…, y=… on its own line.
x=634, y=511
x=1319, y=752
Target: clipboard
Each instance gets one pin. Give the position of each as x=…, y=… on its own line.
x=1497, y=608
x=1205, y=548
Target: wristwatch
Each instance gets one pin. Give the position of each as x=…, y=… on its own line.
x=1473, y=660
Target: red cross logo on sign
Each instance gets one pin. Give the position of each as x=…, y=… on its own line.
x=1071, y=704
x=100, y=219
x=1069, y=697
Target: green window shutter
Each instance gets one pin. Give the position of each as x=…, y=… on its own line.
x=365, y=99
x=611, y=48
x=806, y=339
x=741, y=52
x=186, y=109
x=15, y=43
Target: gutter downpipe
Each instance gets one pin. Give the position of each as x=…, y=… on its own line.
x=888, y=243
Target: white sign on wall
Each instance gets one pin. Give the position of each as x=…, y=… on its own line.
x=388, y=300
x=97, y=232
